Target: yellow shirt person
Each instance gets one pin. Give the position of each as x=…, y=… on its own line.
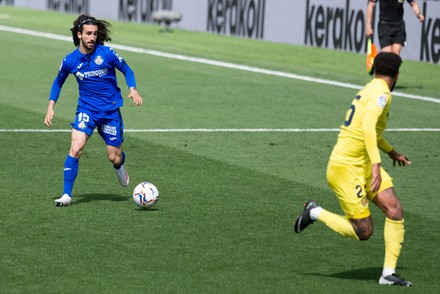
x=355, y=175
x=361, y=134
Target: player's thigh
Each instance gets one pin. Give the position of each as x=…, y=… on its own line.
x=389, y=203
x=349, y=184
x=387, y=182
x=111, y=128
x=78, y=141
x=85, y=121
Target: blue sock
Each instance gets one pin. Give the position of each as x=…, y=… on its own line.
x=70, y=173
x=122, y=162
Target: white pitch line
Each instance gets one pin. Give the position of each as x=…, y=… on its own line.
x=215, y=63
x=203, y=130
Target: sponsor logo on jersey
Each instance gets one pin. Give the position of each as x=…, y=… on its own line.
x=382, y=101
x=96, y=73
x=111, y=130
x=91, y=74
x=79, y=75
x=98, y=60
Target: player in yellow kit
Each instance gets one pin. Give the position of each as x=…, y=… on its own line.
x=355, y=174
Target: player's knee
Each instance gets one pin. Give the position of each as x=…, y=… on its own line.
x=363, y=236
x=112, y=157
x=363, y=229
x=395, y=212
x=115, y=158
x=75, y=152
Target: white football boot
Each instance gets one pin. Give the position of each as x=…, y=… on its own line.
x=122, y=175
x=63, y=201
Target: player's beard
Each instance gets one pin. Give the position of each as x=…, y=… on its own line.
x=88, y=45
x=394, y=84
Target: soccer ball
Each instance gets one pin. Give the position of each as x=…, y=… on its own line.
x=145, y=195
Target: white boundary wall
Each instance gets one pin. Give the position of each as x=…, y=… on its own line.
x=333, y=24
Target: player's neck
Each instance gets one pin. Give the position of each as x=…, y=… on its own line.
x=388, y=80
x=85, y=50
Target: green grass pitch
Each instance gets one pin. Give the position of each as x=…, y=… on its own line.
x=223, y=223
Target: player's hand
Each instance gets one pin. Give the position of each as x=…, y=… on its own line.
x=377, y=178
x=420, y=17
x=49, y=114
x=137, y=99
x=369, y=31
x=401, y=159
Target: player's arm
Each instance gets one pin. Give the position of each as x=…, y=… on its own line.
x=392, y=153
x=49, y=113
x=416, y=9
x=369, y=23
x=371, y=145
x=55, y=91
x=119, y=63
x=131, y=83
x=383, y=145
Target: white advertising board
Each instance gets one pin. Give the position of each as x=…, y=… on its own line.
x=332, y=24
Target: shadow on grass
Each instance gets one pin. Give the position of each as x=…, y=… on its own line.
x=144, y=210
x=85, y=198
x=365, y=274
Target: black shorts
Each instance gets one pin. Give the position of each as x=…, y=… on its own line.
x=391, y=33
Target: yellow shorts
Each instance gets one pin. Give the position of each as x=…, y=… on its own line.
x=351, y=184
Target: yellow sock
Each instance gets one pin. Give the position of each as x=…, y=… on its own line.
x=337, y=223
x=393, y=235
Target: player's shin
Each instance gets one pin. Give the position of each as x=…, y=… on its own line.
x=393, y=235
x=117, y=166
x=337, y=223
x=70, y=173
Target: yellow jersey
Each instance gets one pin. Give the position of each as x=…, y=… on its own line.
x=360, y=137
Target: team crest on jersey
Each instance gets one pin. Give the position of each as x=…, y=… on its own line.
x=82, y=125
x=364, y=201
x=98, y=60
x=382, y=101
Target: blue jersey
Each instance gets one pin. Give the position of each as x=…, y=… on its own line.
x=96, y=77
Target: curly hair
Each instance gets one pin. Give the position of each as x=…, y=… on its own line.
x=387, y=64
x=85, y=19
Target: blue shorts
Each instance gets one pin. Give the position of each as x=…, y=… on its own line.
x=109, y=123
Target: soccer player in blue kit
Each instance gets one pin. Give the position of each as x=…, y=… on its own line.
x=93, y=65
